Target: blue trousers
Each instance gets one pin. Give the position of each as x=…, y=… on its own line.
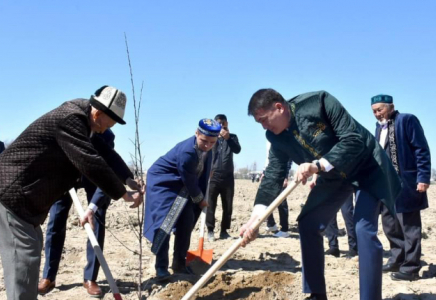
x=56, y=231
x=370, y=249
x=184, y=226
x=347, y=210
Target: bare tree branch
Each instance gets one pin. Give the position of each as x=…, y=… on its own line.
x=137, y=161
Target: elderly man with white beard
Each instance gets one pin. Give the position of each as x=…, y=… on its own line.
x=402, y=136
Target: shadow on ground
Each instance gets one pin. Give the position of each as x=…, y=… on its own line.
x=424, y=296
x=273, y=262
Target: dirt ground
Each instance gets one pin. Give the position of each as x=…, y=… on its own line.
x=269, y=268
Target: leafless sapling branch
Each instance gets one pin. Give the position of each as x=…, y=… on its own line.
x=138, y=162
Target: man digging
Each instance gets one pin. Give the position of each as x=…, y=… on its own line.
x=315, y=131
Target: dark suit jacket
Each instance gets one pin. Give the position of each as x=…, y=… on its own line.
x=320, y=127
x=48, y=158
x=414, y=161
x=223, y=167
x=2, y=147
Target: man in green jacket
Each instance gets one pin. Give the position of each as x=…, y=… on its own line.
x=315, y=131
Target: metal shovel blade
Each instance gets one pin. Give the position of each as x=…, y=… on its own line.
x=204, y=255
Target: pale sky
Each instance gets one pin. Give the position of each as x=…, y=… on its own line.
x=201, y=58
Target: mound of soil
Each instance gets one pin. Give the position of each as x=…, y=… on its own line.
x=237, y=285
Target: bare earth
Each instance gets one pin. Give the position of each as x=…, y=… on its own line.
x=269, y=268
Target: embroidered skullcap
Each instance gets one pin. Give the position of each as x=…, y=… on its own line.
x=111, y=101
x=209, y=127
x=382, y=99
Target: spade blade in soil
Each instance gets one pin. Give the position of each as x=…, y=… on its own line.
x=198, y=266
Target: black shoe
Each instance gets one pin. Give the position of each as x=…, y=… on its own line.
x=162, y=274
x=181, y=269
x=314, y=296
x=342, y=232
x=184, y=270
x=404, y=276
x=224, y=235
x=352, y=253
x=333, y=251
x=390, y=268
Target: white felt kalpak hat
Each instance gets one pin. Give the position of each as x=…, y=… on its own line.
x=111, y=101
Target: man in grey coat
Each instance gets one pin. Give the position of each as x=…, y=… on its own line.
x=43, y=164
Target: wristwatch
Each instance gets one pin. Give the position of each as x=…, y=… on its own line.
x=318, y=165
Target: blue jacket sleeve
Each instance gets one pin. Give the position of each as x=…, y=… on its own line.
x=418, y=142
x=112, y=158
x=99, y=198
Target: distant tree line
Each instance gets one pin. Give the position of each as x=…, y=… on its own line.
x=246, y=172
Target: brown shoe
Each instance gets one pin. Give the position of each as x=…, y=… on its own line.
x=93, y=289
x=45, y=286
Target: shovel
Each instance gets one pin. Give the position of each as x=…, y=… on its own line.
x=200, y=254
x=196, y=259
x=235, y=246
x=97, y=248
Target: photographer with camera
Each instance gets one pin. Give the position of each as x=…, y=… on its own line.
x=222, y=181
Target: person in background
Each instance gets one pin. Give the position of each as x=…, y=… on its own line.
x=222, y=182
x=402, y=137
x=271, y=225
x=332, y=231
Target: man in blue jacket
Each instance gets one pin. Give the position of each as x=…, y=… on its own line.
x=2, y=147
x=402, y=136
x=56, y=229
x=176, y=187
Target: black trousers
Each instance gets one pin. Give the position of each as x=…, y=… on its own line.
x=404, y=234
x=184, y=226
x=226, y=190
x=331, y=231
x=283, y=216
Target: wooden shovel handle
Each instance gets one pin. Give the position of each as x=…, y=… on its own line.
x=204, y=210
x=235, y=246
x=96, y=247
